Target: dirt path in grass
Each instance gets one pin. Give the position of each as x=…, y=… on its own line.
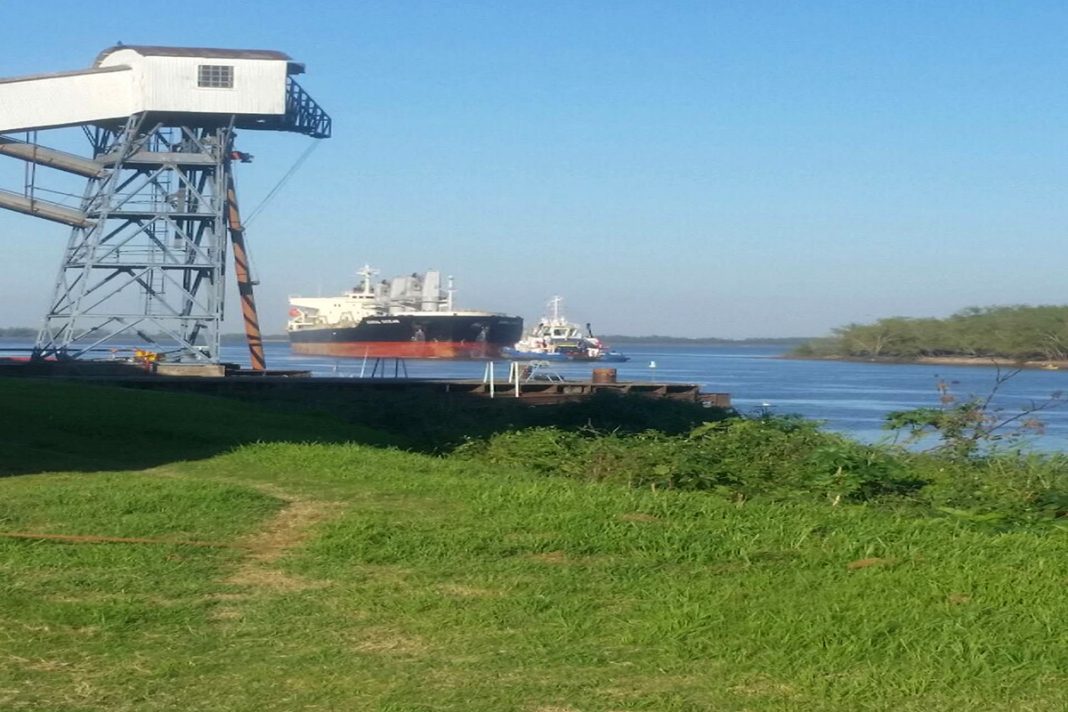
x=258, y=572
x=289, y=528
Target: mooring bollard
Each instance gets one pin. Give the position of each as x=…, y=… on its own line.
x=604, y=375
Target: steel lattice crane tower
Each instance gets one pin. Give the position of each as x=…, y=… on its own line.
x=147, y=254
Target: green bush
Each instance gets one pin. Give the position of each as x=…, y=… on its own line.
x=738, y=458
x=997, y=488
x=785, y=459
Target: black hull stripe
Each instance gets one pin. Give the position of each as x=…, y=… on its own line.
x=496, y=330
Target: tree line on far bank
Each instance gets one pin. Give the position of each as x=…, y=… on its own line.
x=1020, y=333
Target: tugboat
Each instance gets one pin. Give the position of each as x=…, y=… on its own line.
x=557, y=339
x=405, y=317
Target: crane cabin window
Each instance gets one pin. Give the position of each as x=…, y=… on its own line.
x=215, y=76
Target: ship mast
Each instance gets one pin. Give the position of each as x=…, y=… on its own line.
x=367, y=273
x=555, y=303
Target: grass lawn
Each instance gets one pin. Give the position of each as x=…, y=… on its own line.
x=295, y=562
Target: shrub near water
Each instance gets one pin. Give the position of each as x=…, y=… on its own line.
x=788, y=459
x=738, y=458
x=998, y=488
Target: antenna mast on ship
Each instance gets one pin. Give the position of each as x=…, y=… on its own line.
x=555, y=303
x=368, y=274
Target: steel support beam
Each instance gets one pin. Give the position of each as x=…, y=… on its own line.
x=42, y=209
x=50, y=157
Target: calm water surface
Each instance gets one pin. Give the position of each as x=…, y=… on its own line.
x=853, y=398
x=849, y=397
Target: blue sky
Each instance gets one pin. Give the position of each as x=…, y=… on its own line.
x=711, y=168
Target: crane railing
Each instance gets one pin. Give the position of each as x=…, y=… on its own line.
x=303, y=115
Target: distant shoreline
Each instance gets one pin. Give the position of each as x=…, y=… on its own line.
x=1041, y=365
x=702, y=341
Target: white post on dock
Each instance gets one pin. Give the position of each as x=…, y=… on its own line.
x=513, y=375
x=487, y=377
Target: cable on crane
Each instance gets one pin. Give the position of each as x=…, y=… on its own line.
x=252, y=270
x=65, y=194
x=281, y=183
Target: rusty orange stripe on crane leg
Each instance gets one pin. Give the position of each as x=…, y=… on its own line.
x=244, y=279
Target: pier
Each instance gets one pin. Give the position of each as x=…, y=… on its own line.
x=530, y=392
x=223, y=380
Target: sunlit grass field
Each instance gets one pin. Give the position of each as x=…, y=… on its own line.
x=296, y=562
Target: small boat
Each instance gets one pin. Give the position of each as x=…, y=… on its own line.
x=613, y=357
x=557, y=339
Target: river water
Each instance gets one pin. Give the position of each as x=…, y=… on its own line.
x=852, y=398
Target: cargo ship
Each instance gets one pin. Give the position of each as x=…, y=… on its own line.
x=404, y=317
